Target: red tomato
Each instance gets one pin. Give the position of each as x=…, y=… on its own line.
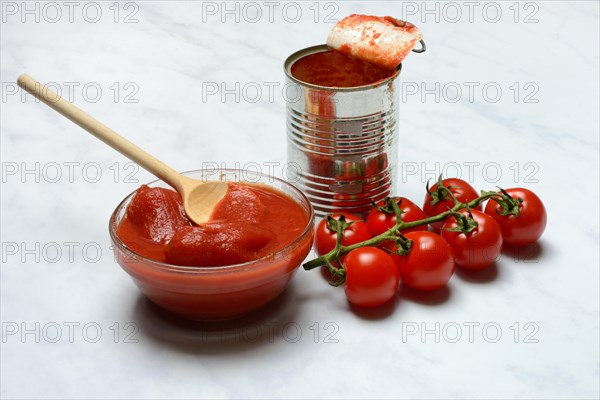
x=459, y=188
x=379, y=221
x=478, y=248
x=429, y=264
x=528, y=226
x=326, y=238
x=371, y=277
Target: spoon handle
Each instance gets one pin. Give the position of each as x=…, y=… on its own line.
x=101, y=131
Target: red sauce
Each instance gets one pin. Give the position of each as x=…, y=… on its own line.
x=251, y=222
x=334, y=69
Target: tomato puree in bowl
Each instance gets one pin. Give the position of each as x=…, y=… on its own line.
x=249, y=223
x=243, y=258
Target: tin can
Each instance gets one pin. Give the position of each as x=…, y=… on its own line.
x=343, y=140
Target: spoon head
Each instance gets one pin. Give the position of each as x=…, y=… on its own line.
x=200, y=199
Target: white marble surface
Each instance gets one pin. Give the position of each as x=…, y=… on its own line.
x=164, y=58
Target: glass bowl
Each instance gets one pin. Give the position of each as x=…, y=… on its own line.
x=224, y=292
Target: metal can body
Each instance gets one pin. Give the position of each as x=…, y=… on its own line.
x=343, y=140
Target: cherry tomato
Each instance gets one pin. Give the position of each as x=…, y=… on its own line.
x=528, y=226
x=326, y=238
x=478, y=248
x=429, y=264
x=371, y=277
x=379, y=221
x=459, y=188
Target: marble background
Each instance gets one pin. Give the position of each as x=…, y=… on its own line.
x=507, y=94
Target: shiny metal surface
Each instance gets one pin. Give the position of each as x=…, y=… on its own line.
x=344, y=140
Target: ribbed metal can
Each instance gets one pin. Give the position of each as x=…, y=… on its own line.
x=343, y=141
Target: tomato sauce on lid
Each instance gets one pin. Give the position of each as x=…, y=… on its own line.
x=383, y=41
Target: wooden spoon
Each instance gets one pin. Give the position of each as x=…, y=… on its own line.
x=199, y=198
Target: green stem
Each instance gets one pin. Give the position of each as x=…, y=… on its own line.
x=393, y=233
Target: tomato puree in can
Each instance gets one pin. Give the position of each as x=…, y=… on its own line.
x=335, y=69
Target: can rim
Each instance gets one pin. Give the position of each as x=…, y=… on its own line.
x=287, y=65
